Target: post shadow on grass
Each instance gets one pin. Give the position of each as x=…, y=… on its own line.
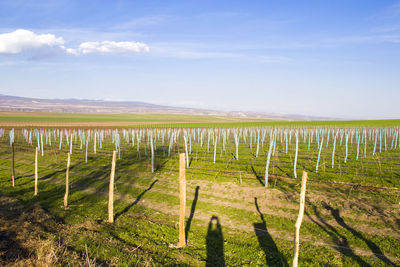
x=372, y=246
x=43, y=194
x=99, y=179
x=17, y=180
x=126, y=209
x=51, y=177
x=341, y=243
x=273, y=256
x=215, y=243
x=190, y=161
x=192, y=210
x=284, y=172
x=259, y=177
x=159, y=166
x=383, y=216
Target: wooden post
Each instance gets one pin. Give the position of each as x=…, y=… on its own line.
x=299, y=220
x=67, y=181
x=182, y=198
x=111, y=190
x=13, y=170
x=36, y=170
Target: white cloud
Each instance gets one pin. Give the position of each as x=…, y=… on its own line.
x=109, y=47
x=21, y=41
x=44, y=45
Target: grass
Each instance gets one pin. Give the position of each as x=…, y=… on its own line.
x=286, y=123
x=343, y=226
x=96, y=117
x=178, y=120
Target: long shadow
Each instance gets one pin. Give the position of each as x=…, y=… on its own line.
x=259, y=178
x=383, y=216
x=372, y=246
x=51, y=176
x=192, y=210
x=190, y=161
x=273, y=256
x=159, y=166
x=92, y=178
x=342, y=245
x=126, y=209
x=285, y=172
x=18, y=178
x=98, y=179
x=22, y=176
x=215, y=243
x=131, y=245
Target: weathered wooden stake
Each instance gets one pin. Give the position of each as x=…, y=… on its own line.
x=111, y=190
x=13, y=170
x=36, y=170
x=67, y=181
x=182, y=197
x=299, y=220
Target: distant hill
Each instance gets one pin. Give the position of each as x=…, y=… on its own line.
x=16, y=103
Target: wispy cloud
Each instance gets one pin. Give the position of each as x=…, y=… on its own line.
x=394, y=10
x=362, y=39
x=386, y=28
x=38, y=46
x=109, y=47
x=199, y=51
x=38, y=4
x=387, y=20
x=142, y=21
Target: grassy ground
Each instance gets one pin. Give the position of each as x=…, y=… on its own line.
x=21, y=119
x=87, y=117
x=46, y=119
x=231, y=218
x=286, y=123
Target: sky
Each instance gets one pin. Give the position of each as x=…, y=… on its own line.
x=338, y=59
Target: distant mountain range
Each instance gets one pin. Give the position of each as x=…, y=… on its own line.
x=16, y=103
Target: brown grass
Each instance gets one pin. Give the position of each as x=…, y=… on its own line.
x=28, y=237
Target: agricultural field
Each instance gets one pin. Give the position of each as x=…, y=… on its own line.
x=11, y=119
x=52, y=119
x=242, y=194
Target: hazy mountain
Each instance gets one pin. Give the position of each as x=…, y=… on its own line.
x=15, y=103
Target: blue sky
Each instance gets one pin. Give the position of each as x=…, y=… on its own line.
x=322, y=58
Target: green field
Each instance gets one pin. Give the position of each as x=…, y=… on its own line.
x=277, y=123
x=350, y=224
x=104, y=118
x=170, y=120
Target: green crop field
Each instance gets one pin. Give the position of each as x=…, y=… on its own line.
x=10, y=119
x=45, y=117
x=280, y=123
x=352, y=215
